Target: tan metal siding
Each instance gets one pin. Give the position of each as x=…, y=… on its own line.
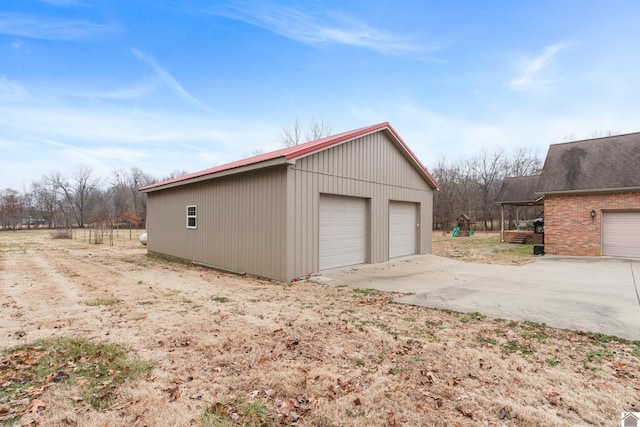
x=242, y=223
x=370, y=167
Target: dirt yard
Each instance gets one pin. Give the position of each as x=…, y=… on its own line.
x=229, y=350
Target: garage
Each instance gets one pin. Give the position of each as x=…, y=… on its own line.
x=343, y=231
x=402, y=229
x=296, y=211
x=621, y=234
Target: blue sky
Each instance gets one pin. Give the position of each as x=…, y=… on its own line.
x=188, y=85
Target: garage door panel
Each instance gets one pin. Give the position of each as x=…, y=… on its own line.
x=621, y=234
x=402, y=229
x=343, y=231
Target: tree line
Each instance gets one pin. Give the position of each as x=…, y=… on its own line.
x=80, y=199
x=77, y=199
x=470, y=186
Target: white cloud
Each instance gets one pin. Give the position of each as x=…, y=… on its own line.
x=125, y=93
x=532, y=68
x=37, y=137
x=10, y=89
x=320, y=28
x=47, y=28
x=174, y=85
x=432, y=135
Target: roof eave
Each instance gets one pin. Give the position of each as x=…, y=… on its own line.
x=246, y=168
x=590, y=190
x=521, y=202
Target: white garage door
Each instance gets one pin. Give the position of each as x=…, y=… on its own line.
x=621, y=234
x=402, y=229
x=343, y=231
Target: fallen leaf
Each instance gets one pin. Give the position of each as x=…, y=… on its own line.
x=553, y=397
x=36, y=406
x=285, y=407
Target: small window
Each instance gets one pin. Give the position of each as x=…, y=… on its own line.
x=192, y=216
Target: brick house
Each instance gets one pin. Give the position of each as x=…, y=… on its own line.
x=591, y=192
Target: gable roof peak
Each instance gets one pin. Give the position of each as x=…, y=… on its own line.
x=288, y=154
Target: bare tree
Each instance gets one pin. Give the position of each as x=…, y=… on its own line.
x=130, y=206
x=10, y=209
x=523, y=162
x=175, y=174
x=78, y=192
x=138, y=179
x=471, y=185
x=292, y=134
x=318, y=129
x=490, y=169
x=444, y=201
x=121, y=198
x=45, y=193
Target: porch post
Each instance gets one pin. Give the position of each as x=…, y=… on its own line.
x=502, y=223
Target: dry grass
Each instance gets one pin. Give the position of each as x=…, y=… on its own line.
x=482, y=247
x=239, y=351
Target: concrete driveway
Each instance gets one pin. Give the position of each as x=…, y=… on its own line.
x=579, y=293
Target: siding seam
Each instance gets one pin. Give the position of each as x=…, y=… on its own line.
x=362, y=180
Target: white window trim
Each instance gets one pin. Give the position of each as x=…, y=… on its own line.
x=195, y=217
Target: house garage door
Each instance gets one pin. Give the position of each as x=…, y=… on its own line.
x=621, y=234
x=402, y=229
x=343, y=231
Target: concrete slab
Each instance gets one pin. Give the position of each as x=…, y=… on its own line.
x=597, y=294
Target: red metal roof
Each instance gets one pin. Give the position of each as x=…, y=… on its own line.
x=301, y=150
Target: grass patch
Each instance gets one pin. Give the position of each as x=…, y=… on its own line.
x=597, y=356
x=600, y=338
x=220, y=299
x=236, y=412
x=367, y=291
x=476, y=315
x=552, y=362
x=100, y=301
x=89, y=369
x=486, y=340
x=525, y=250
x=516, y=347
x=471, y=316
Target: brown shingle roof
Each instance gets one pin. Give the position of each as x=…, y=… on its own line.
x=520, y=190
x=600, y=164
